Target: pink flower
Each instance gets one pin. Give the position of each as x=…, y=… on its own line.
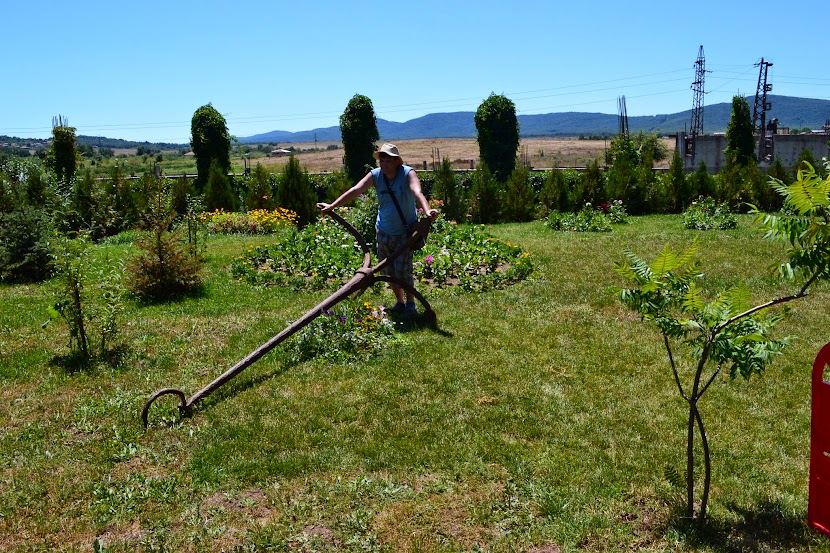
x=429, y=259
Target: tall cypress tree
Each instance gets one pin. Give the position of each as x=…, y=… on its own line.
x=740, y=140
x=63, y=154
x=210, y=142
x=498, y=135
x=359, y=132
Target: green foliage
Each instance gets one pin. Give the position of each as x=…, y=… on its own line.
x=218, y=191
x=348, y=331
x=447, y=188
x=638, y=148
x=631, y=176
x=25, y=224
x=806, y=232
x=24, y=245
x=740, y=140
x=363, y=215
x=359, y=132
x=63, y=153
x=706, y=214
x=498, y=135
x=678, y=186
x=591, y=186
x=323, y=255
x=181, y=191
x=83, y=204
x=118, y=208
x=739, y=185
x=804, y=156
x=296, y=194
x=260, y=189
x=470, y=258
x=519, y=198
x=165, y=267
x=554, y=193
x=90, y=297
x=585, y=220
x=210, y=142
x=486, y=195
x=727, y=331
x=255, y=221
x=701, y=183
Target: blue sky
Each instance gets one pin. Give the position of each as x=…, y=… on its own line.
x=138, y=70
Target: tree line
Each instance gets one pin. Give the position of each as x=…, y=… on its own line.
x=55, y=194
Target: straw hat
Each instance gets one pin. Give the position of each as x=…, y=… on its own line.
x=389, y=149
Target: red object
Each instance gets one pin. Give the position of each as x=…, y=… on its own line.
x=818, y=507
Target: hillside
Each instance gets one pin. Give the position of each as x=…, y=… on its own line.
x=791, y=112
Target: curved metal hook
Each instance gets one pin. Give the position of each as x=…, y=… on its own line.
x=184, y=408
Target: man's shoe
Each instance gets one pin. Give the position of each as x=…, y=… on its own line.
x=398, y=308
x=411, y=307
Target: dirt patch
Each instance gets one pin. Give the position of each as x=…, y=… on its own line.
x=251, y=503
x=124, y=534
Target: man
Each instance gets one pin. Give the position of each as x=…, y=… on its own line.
x=392, y=178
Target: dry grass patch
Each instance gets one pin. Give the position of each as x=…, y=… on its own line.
x=541, y=152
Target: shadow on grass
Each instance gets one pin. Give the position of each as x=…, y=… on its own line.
x=767, y=526
x=75, y=362
x=171, y=296
x=412, y=322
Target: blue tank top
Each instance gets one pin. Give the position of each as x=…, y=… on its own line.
x=389, y=221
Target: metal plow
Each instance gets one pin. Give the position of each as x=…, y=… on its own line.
x=365, y=277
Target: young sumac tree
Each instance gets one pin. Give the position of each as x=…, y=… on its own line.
x=728, y=333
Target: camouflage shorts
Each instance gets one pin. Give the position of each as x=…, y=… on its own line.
x=401, y=268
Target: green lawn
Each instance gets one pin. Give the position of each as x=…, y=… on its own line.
x=540, y=417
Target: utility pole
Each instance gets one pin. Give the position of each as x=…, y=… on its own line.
x=759, y=112
x=697, y=105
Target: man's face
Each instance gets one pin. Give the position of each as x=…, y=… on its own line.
x=389, y=164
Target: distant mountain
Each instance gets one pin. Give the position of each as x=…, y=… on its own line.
x=791, y=112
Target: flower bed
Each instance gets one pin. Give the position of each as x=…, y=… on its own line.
x=323, y=255
x=256, y=221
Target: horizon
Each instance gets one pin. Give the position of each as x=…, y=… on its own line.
x=186, y=143
x=286, y=69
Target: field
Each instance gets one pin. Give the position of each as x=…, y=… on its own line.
x=542, y=153
x=541, y=417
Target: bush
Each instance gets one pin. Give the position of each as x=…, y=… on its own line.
x=706, y=214
x=260, y=190
x=587, y=220
x=24, y=245
x=295, y=193
x=519, y=197
x=323, y=255
x=554, y=193
x=257, y=221
x=448, y=189
x=90, y=297
x=165, y=267
x=485, y=197
x=218, y=191
x=350, y=330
